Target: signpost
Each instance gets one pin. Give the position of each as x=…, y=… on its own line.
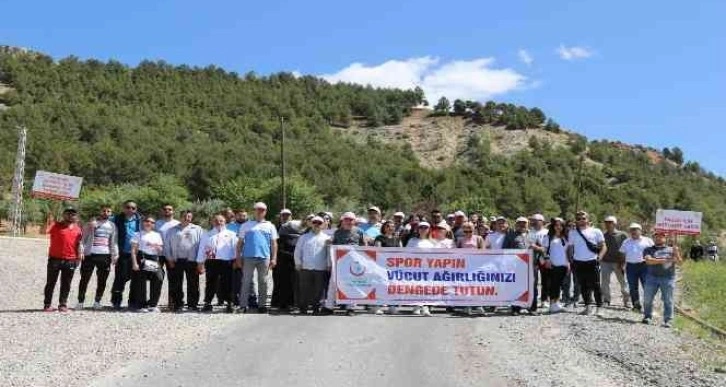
x=55, y=186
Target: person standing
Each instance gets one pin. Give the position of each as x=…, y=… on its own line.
x=240, y=217
x=470, y=241
x=347, y=234
x=165, y=223
x=64, y=253
x=100, y=245
x=388, y=237
x=216, y=256
x=441, y=236
x=128, y=224
x=459, y=220
x=423, y=241
x=661, y=261
x=519, y=239
x=284, y=277
x=146, y=247
x=312, y=263
x=495, y=239
x=613, y=262
x=696, y=253
x=183, y=247
x=556, y=261
x=398, y=226
x=537, y=233
x=588, y=247
x=635, y=267
x=372, y=228
x=257, y=253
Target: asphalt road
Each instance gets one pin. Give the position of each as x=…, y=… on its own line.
x=364, y=350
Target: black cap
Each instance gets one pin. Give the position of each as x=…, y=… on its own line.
x=70, y=210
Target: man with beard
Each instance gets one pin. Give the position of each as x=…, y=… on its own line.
x=100, y=245
x=284, y=276
x=128, y=224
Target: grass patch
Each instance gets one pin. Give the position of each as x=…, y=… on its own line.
x=704, y=290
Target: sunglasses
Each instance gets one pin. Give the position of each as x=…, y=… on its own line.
x=580, y=219
x=130, y=208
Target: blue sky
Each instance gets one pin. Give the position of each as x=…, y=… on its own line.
x=648, y=72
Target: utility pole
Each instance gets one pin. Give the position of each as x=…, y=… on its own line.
x=282, y=161
x=16, y=212
x=578, y=186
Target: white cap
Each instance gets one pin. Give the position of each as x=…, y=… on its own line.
x=492, y=218
x=634, y=226
x=500, y=218
x=260, y=206
x=310, y=217
x=348, y=215
x=374, y=208
x=285, y=211
x=399, y=214
x=611, y=219
x=329, y=214
x=317, y=219
x=444, y=225
x=450, y=216
x=459, y=213
x=424, y=224
x=522, y=219
x=538, y=217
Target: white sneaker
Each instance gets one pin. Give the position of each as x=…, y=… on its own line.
x=97, y=305
x=426, y=311
x=598, y=312
x=393, y=310
x=142, y=310
x=377, y=311
x=545, y=305
x=154, y=310
x=79, y=306
x=479, y=310
x=587, y=311
x=556, y=307
x=416, y=310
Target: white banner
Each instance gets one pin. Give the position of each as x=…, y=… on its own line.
x=49, y=185
x=678, y=222
x=456, y=277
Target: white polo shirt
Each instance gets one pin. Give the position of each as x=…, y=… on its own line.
x=633, y=249
x=582, y=253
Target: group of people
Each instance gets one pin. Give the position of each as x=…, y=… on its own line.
x=240, y=257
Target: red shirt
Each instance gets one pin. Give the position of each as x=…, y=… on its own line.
x=64, y=240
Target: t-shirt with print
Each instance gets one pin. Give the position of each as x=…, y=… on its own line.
x=666, y=269
x=352, y=237
x=634, y=248
x=495, y=240
x=582, y=252
x=257, y=238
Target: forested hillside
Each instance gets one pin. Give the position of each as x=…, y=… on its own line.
x=198, y=134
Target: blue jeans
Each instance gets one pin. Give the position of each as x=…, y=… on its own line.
x=666, y=286
x=636, y=273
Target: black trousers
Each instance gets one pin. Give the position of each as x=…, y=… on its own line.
x=545, y=278
x=284, y=278
x=122, y=275
x=102, y=264
x=557, y=276
x=65, y=268
x=182, y=268
x=311, y=288
x=588, y=276
x=219, y=281
x=138, y=296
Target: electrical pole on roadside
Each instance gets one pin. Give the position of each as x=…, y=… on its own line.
x=282, y=162
x=16, y=211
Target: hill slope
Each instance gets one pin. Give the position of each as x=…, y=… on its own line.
x=182, y=134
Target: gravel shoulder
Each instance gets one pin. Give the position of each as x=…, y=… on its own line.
x=111, y=348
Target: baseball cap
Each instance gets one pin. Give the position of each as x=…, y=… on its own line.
x=399, y=214
x=634, y=226
x=317, y=219
x=450, y=216
x=285, y=212
x=492, y=218
x=459, y=213
x=500, y=218
x=348, y=215
x=424, y=224
x=70, y=210
x=443, y=225
x=538, y=217
x=374, y=208
x=611, y=219
x=522, y=219
x=260, y=206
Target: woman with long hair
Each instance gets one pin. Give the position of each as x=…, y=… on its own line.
x=422, y=241
x=555, y=260
x=470, y=240
x=146, y=246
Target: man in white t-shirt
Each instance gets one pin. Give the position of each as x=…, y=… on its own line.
x=587, y=246
x=635, y=267
x=537, y=233
x=495, y=239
